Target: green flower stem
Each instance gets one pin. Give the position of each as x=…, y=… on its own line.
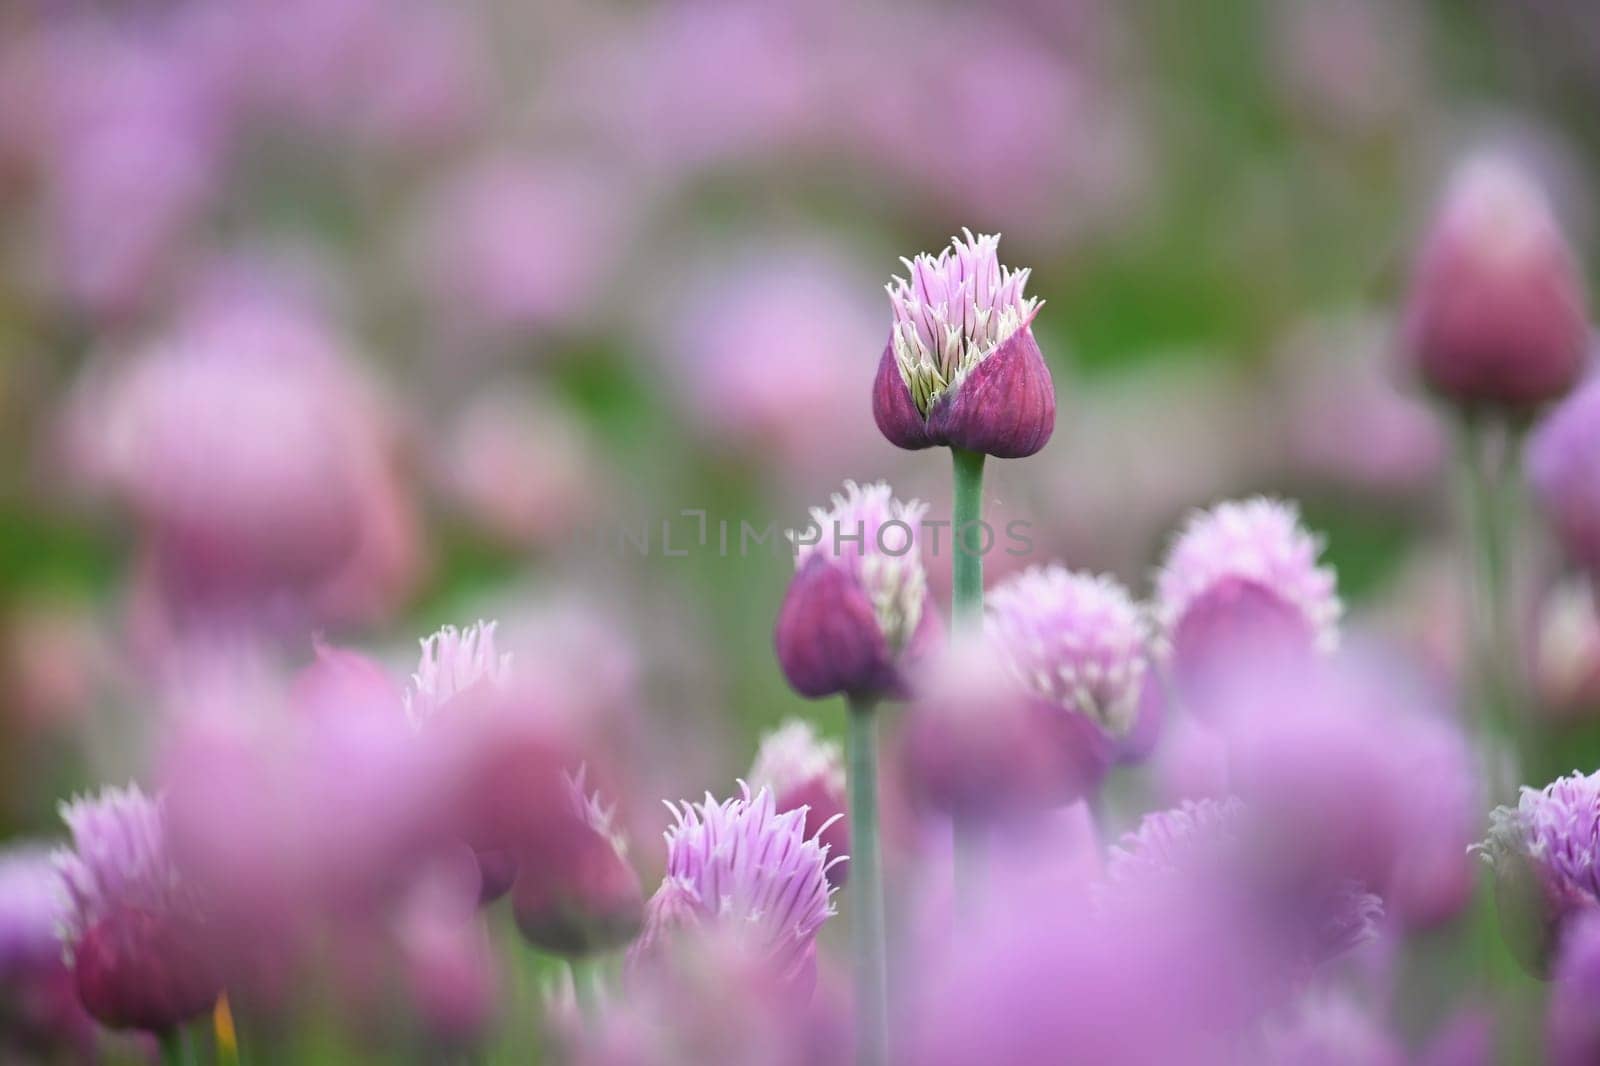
x=866, y=889
x=967, y=539
x=1488, y=464
x=175, y=1048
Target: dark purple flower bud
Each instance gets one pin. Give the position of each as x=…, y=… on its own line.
x=961, y=366
x=1497, y=314
x=136, y=933
x=1563, y=466
x=803, y=770
x=576, y=893
x=855, y=608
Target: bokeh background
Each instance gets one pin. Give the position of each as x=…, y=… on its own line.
x=358, y=317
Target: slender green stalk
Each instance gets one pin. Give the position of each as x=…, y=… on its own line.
x=585, y=987
x=867, y=921
x=1488, y=461
x=968, y=539
x=227, y=1033
x=175, y=1048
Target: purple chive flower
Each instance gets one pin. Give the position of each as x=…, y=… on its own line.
x=1076, y=640
x=1572, y=1025
x=578, y=894
x=1217, y=846
x=976, y=744
x=1327, y=1028
x=857, y=605
x=1244, y=573
x=1563, y=466
x=740, y=866
x=961, y=366
x=802, y=770
x=1497, y=313
x=135, y=931
x=41, y=1009
x=1545, y=853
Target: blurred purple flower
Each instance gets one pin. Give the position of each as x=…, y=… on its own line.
x=578, y=895
x=136, y=928
x=796, y=304
x=858, y=605
x=1572, y=1025
x=1074, y=639
x=1243, y=576
x=741, y=867
x=512, y=245
x=961, y=366
x=1497, y=313
x=1327, y=1028
x=454, y=662
x=1565, y=652
x=801, y=769
x=1563, y=466
x=975, y=744
x=39, y=1005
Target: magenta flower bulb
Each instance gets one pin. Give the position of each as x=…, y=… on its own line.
x=1076, y=640
x=857, y=607
x=741, y=867
x=578, y=895
x=1244, y=574
x=1572, y=1025
x=1497, y=314
x=1563, y=466
x=1545, y=854
x=961, y=367
x=802, y=770
x=974, y=743
x=135, y=932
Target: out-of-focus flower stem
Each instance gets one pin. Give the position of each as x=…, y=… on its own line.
x=966, y=557
x=1488, y=456
x=585, y=987
x=866, y=888
x=175, y=1048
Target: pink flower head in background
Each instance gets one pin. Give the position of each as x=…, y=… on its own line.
x=1572, y=1027
x=961, y=366
x=801, y=769
x=1074, y=639
x=740, y=866
x=455, y=662
x=858, y=604
x=135, y=931
x=1244, y=573
x=1497, y=313
x=1564, y=658
x=42, y=1007
x=1563, y=467
x=577, y=894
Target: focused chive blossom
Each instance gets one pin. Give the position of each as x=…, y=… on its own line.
x=1545, y=853
x=135, y=929
x=857, y=603
x=954, y=310
x=961, y=366
x=802, y=770
x=455, y=661
x=1074, y=639
x=740, y=865
x=1245, y=571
